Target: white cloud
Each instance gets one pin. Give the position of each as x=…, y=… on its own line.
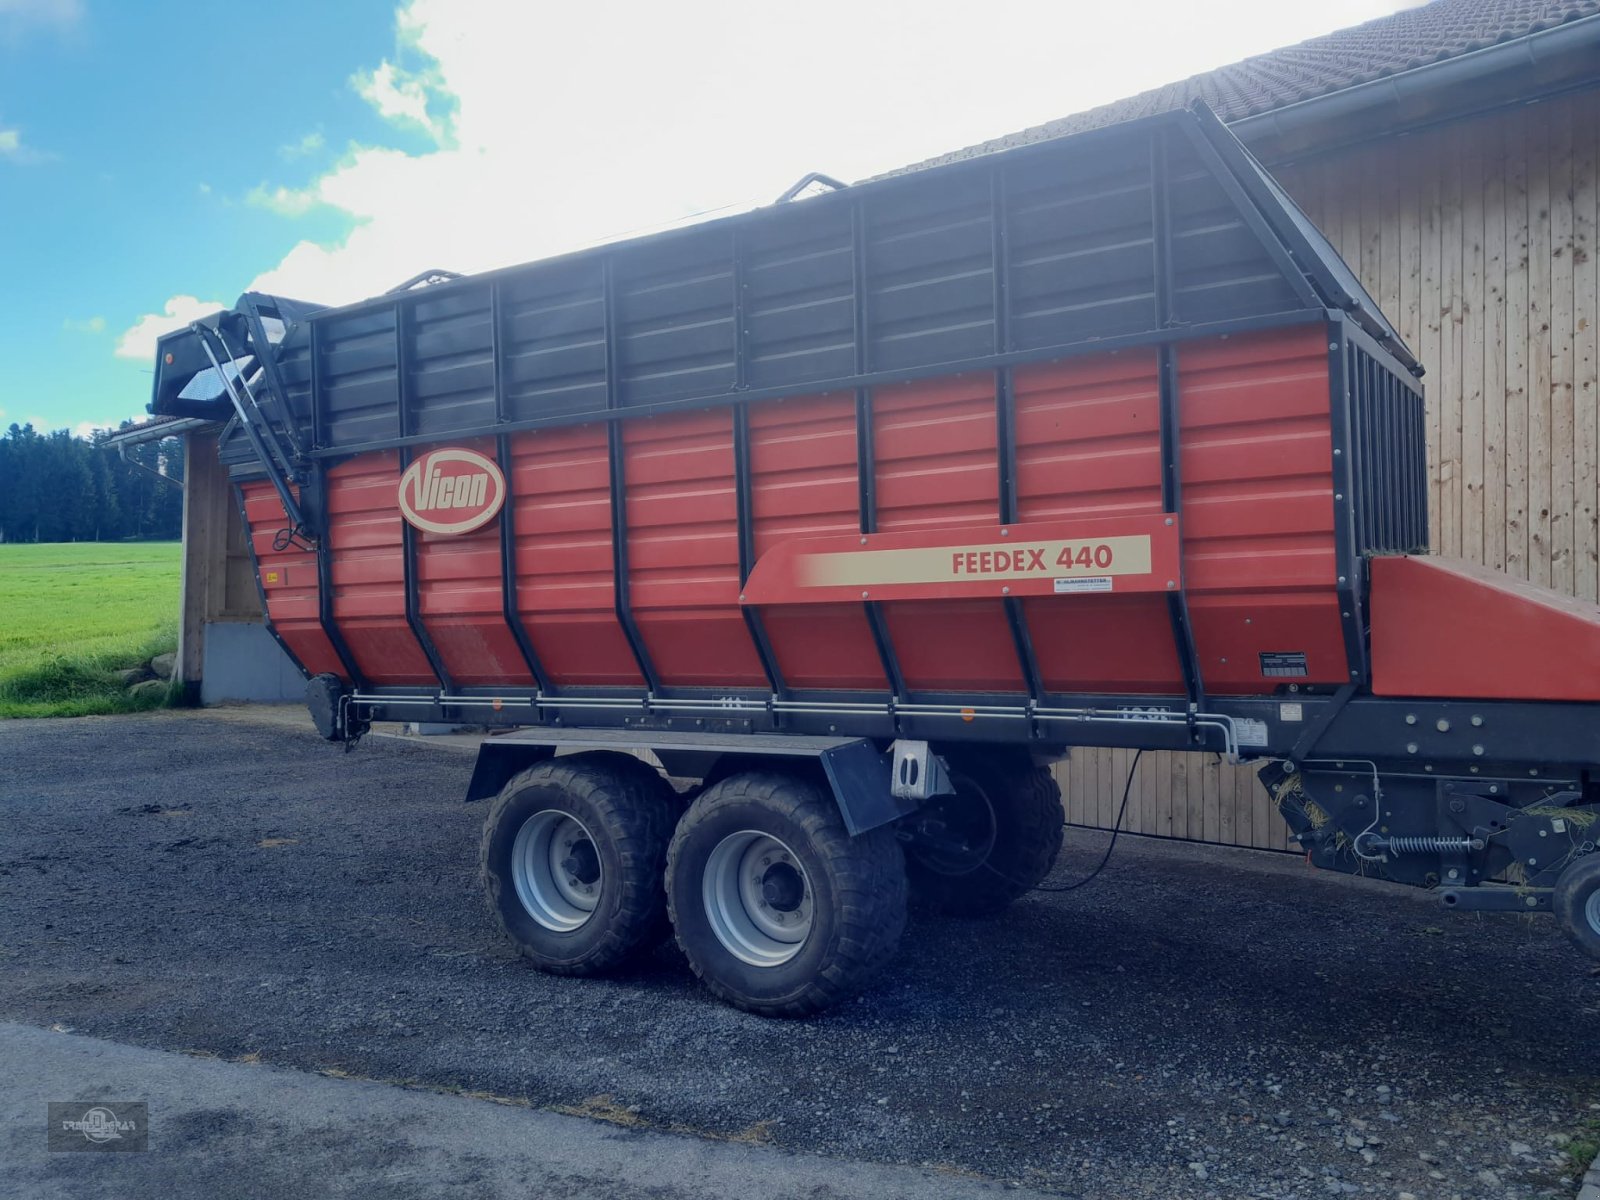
x=309, y=144
x=14, y=149
x=17, y=15
x=399, y=96
x=557, y=126
x=139, y=342
x=92, y=325
x=286, y=202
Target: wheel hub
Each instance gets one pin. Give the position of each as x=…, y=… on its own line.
x=757, y=898
x=783, y=887
x=583, y=863
x=556, y=870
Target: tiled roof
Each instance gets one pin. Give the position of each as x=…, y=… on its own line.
x=153, y=429
x=1403, y=41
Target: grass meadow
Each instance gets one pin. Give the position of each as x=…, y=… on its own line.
x=73, y=613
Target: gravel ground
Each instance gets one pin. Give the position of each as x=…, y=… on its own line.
x=1197, y=1023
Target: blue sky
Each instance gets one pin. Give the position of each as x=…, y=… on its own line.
x=159, y=158
x=138, y=146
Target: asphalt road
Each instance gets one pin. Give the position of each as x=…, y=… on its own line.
x=1195, y=1023
x=227, y=1131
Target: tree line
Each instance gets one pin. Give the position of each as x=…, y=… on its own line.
x=57, y=487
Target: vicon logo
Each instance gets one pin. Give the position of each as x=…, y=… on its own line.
x=451, y=491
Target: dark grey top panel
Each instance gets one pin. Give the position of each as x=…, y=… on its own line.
x=1156, y=225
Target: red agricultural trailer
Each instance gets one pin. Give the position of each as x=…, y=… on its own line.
x=860, y=510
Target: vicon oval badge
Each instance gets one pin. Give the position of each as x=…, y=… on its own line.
x=452, y=491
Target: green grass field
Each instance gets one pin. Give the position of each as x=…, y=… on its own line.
x=70, y=614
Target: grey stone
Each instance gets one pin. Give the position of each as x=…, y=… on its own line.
x=150, y=687
x=163, y=664
x=131, y=675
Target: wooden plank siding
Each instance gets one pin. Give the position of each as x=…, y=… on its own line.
x=1478, y=239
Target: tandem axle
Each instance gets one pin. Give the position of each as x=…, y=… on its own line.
x=967, y=826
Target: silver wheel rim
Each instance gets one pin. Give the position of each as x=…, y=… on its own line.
x=758, y=898
x=555, y=870
x=1591, y=911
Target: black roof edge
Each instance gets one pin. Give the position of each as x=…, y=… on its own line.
x=1533, y=50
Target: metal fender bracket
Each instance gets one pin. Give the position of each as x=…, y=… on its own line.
x=862, y=782
x=918, y=773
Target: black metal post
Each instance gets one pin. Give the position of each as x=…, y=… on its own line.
x=1171, y=415
x=1348, y=562
x=1005, y=425
x=865, y=458
x=619, y=501
x=508, y=512
x=408, y=535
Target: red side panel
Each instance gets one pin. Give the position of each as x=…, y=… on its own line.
x=1257, y=465
x=368, y=568
x=805, y=483
x=1088, y=434
x=462, y=605
x=1450, y=629
x=560, y=483
x=289, y=581
x=937, y=462
x=683, y=550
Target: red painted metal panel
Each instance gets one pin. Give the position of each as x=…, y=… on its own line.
x=289, y=582
x=1446, y=628
x=367, y=565
x=805, y=483
x=936, y=457
x=1047, y=558
x=1088, y=433
x=683, y=550
x=561, y=488
x=461, y=603
x=1258, y=525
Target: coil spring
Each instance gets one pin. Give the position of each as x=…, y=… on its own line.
x=1424, y=845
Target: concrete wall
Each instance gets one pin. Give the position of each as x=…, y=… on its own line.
x=243, y=663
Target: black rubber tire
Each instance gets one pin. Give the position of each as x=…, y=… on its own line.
x=858, y=889
x=629, y=811
x=1028, y=829
x=1573, y=891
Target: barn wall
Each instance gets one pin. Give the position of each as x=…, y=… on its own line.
x=1478, y=241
